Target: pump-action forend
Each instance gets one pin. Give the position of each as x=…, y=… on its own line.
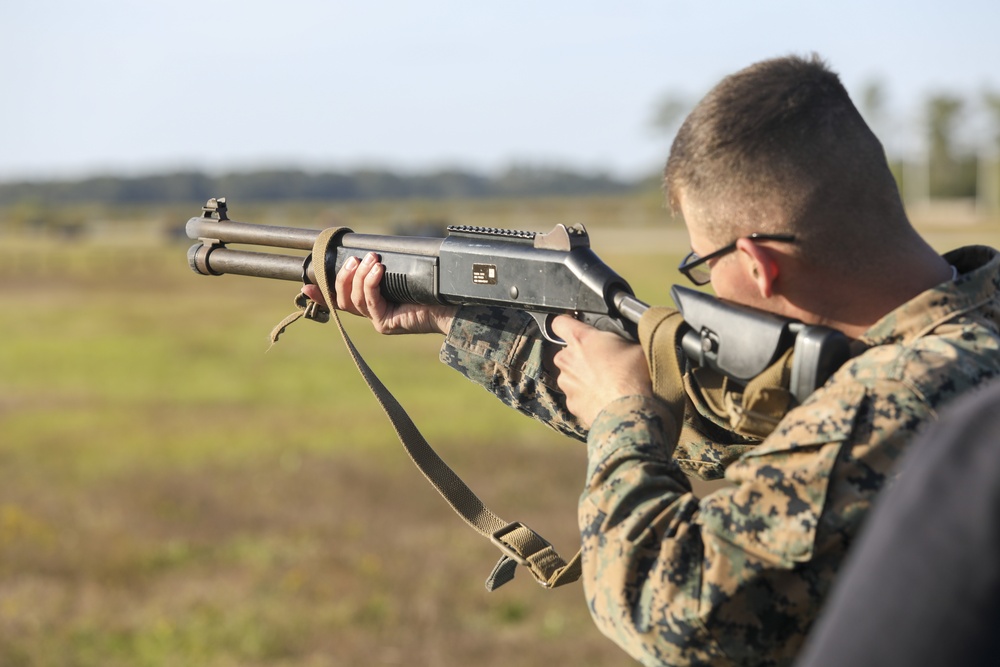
x=544, y=274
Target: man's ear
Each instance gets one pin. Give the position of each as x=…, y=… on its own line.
x=759, y=264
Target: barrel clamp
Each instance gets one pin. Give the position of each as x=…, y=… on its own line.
x=214, y=209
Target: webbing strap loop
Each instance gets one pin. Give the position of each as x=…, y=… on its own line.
x=752, y=411
x=765, y=400
x=518, y=544
x=659, y=330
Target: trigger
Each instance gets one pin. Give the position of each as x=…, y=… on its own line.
x=544, y=321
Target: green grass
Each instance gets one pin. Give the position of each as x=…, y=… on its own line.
x=173, y=493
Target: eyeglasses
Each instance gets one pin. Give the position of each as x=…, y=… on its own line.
x=696, y=269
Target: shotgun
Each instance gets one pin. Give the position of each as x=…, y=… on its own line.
x=544, y=274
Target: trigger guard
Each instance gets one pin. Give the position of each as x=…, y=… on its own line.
x=544, y=321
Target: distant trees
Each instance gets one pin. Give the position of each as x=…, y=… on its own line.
x=952, y=170
x=952, y=150
x=290, y=184
x=991, y=105
x=670, y=112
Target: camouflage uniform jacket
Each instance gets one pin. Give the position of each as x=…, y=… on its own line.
x=737, y=577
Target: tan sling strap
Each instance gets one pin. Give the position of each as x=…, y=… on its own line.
x=659, y=329
x=518, y=544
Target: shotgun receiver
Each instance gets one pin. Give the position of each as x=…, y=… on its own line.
x=544, y=274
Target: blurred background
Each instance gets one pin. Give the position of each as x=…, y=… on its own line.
x=174, y=493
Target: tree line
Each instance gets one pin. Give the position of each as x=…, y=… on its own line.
x=272, y=185
x=950, y=149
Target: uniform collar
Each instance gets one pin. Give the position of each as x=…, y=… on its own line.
x=978, y=282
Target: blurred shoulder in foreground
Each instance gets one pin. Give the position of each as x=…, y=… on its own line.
x=922, y=585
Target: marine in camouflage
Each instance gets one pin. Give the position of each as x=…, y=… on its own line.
x=738, y=577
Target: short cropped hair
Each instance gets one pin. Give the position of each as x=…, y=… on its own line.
x=780, y=146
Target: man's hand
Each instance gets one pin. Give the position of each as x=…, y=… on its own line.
x=597, y=367
x=357, y=288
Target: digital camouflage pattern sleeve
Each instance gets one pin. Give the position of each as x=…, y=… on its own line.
x=737, y=577
x=503, y=351
x=732, y=578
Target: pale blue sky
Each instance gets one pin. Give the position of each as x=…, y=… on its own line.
x=133, y=86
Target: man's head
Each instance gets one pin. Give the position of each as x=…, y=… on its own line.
x=780, y=148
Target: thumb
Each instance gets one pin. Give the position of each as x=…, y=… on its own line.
x=566, y=327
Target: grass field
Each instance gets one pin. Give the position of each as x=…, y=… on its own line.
x=173, y=493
